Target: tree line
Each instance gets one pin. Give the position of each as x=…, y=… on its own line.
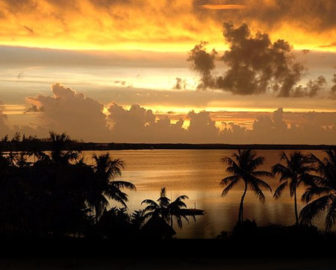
x=296, y=169
x=56, y=194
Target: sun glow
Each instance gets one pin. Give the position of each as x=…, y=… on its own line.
x=149, y=25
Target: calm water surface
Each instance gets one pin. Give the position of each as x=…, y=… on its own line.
x=197, y=173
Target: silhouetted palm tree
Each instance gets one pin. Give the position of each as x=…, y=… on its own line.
x=138, y=218
x=59, y=153
x=104, y=187
x=243, y=168
x=159, y=208
x=34, y=148
x=296, y=170
x=323, y=187
x=166, y=209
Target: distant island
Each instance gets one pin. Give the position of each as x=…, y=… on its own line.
x=23, y=143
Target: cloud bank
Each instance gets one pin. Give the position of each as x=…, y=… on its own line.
x=82, y=118
x=71, y=112
x=93, y=24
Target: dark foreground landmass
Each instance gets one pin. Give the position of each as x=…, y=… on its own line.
x=250, y=253
x=271, y=247
x=53, y=215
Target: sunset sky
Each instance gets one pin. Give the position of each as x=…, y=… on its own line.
x=118, y=70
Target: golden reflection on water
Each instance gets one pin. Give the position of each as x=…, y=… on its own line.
x=197, y=174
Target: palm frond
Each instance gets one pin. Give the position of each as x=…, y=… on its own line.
x=123, y=184
x=262, y=174
x=228, y=179
x=262, y=183
x=255, y=163
x=312, y=191
x=282, y=170
x=150, y=202
x=313, y=208
x=331, y=215
x=229, y=187
x=254, y=186
x=279, y=190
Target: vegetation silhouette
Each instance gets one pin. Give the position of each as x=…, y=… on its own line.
x=297, y=170
x=243, y=167
x=56, y=194
x=323, y=187
x=104, y=186
x=48, y=191
x=164, y=210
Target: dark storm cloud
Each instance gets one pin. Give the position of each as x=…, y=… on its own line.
x=311, y=15
x=203, y=62
x=255, y=65
x=333, y=88
x=311, y=89
x=308, y=14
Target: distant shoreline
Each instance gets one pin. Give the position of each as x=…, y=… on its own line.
x=45, y=146
x=182, y=146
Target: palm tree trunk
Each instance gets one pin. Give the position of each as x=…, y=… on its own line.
x=295, y=208
x=241, y=207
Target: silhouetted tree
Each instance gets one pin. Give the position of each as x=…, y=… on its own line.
x=104, y=186
x=138, y=218
x=166, y=209
x=296, y=170
x=116, y=224
x=243, y=167
x=324, y=188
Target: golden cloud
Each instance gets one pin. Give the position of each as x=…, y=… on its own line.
x=160, y=25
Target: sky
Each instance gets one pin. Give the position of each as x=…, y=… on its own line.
x=194, y=71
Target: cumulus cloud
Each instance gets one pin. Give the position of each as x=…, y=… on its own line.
x=255, y=65
x=138, y=124
x=82, y=118
x=202, y=128
x=313, y=128
x=71, y=112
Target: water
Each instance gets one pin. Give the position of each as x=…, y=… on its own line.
x=197, y=174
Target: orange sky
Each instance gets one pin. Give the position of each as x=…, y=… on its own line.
x=157, y=25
